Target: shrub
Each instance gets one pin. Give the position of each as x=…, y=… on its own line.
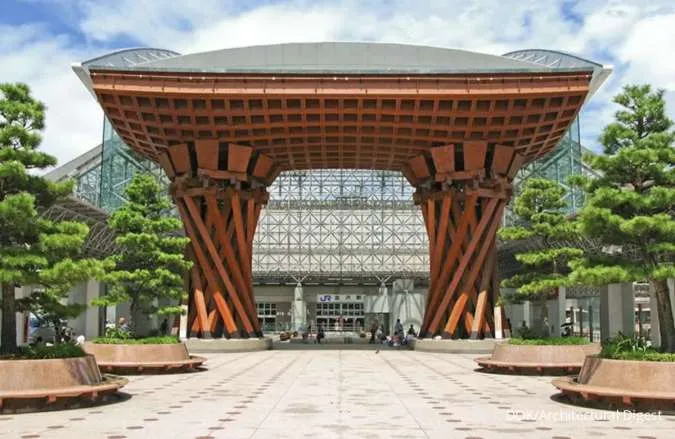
x=62, y=350
x=119, y=334
x=130, y=340
x=624, y=344
x=549, y=341
x=651, y=355
x=626, y=347
x=526, y=333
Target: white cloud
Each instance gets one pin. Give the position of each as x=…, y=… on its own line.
x=635, y=37
x=73, y=123
x=647, y=52
x=263, y=26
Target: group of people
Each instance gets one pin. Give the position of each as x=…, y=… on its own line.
x=320, y=334
x=377, y=334
x=397, y=339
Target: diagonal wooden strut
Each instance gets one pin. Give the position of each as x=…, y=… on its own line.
x=200, y=304
x=234, y=267
x=204, y=265
x=477, y=267
x=440, y=286
x=218, y=264
x=449, y=292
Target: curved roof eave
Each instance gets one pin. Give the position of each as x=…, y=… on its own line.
x=122, y=58
x=558, y=60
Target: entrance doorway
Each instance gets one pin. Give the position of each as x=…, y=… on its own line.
x=347, y=317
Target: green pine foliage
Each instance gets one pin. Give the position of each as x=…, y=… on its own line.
x=539, y=208
x=629, y=209
x=149, y=264
x=33, y=250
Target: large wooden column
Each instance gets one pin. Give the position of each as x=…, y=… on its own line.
x=219, y=191
x=462, y=191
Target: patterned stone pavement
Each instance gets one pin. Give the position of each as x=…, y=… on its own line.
x=337, y=394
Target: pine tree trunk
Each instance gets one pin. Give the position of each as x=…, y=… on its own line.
x=665, y=315
x=8, y=343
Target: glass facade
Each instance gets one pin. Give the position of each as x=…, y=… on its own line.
x=118, y=165
x=563, y=161
x=341, y=223
x=88, y=186
x=340, y=316
x=267, y=316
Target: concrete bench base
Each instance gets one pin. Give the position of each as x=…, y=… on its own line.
x=540, y=360
x=143, y=358
x=200, y=345
x=455, y=346
x=621, y=383
x=54, y=384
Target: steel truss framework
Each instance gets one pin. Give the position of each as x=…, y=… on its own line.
x=100, y=241
x=338, y=225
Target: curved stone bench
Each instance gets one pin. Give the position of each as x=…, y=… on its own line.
x=143, y=358
x=29, y=385
x=626, y=383
x=540, y=359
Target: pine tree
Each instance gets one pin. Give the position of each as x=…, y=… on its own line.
x=149, y=264
x=539, y=208
x=629, y=209
x=33, y=250
x=67, y=268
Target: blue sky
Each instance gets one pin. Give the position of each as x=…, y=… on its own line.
x=39, y=39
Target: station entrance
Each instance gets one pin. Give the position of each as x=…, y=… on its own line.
x=340, y=317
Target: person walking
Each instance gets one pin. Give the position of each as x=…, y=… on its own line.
x=398, y=328
x=320, y=334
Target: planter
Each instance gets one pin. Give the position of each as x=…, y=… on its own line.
x=143, y=358
x=450, y=346
x=626, y=383
x=228, y=345
x=53, y=383
x=539, y=359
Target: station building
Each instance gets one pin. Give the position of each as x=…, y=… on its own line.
x=341, y=240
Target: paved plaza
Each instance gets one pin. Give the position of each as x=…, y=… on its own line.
x=337, y=394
